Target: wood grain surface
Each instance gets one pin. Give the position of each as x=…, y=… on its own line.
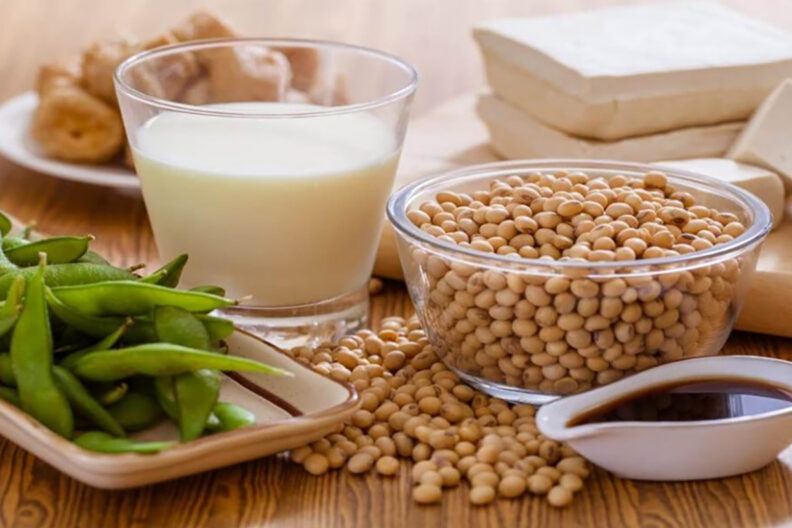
x=435, y=37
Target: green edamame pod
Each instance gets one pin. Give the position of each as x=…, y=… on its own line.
x=169, y=274
x=59, y=250
x=196, y=392
x=161, y=359
x=136, y=411
x=133, y=298
x=13, y=304
x=66, y=275
x=84, y=404
x=104, y=443
x=6, y=370
x=6, y=266
x=141, y=331
x=106, y=343
x=10, y=395
x=13, y=242
x=5, y=224
x=218, y=327
x=31, y=360
x=229, y=416
x=166, y=396
x=210, y=288
x=114, y=394
x=180, y=327
x=93, y=257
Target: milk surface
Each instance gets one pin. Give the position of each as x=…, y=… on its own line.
x=288, y=210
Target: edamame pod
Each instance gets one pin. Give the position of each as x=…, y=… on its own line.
x=105, y=343
x=166, y=396
x=229, y=417
x=13, y=242
x=210, y=288
x=104, y=443
x=59, y=250
x=136, y=411
x=13, y=303
x=31, y=360
x=218, y=327
x=10, y=395
x=87, y=324
x=94, y=258
x=169, y=274
x=134, y=298
x=196, y=392
x=66, y=275
x=161, y=359
x=6, y=370
x=5, y=224
x=84, y=404
x=6, y=266
x=113, y=395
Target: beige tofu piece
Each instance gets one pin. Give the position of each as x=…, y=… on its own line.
x=767, y=139
x=763, y=183
x=516, y=134
x=635, y=69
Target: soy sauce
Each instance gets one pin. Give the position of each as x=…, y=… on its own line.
x=703, y=399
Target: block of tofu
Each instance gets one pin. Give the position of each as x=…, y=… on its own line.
x=637, y=69
x=763, y=183
x=767, y=138
x=515, y=134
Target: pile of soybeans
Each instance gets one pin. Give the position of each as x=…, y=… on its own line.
x=415, y=409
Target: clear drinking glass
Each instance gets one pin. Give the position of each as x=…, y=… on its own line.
x=269, y=162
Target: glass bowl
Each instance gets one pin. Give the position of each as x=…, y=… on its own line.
x=494, y=319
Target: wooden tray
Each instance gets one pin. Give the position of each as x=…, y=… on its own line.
x=290, y=412
x=451, y=136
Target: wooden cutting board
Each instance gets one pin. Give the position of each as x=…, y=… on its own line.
x=452, y=136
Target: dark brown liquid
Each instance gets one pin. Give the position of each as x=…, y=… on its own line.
x=704, y=399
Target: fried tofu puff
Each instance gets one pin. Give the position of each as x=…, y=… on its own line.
x=72, y=125
x=202, y=25
x=168, y=76
x=100, y=61
x=304, y=64
x=57, y=75
x=247, y=73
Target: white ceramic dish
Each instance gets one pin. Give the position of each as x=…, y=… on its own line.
x=290, y=412
x=16, y=145
x=677, y=450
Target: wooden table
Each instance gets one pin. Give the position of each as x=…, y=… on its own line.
x=435, y=37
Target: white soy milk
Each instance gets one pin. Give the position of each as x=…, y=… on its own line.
x=288, y=210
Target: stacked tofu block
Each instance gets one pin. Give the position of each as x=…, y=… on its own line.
x=645, y=82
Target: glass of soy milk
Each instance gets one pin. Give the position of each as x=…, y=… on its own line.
x=269, y=162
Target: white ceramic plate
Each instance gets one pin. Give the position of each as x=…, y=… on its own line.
x=290, y=412
x=16, y=145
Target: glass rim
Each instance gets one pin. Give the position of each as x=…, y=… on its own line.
x=398, y=202
x=163, y=51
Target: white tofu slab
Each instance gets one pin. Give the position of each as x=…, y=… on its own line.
x=767, y=139
x=637, y=69
x=763, y=183
x=516, y=134
x=667, y=47
x=619, y=119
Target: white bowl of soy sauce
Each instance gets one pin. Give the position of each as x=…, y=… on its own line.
x=695, y=419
